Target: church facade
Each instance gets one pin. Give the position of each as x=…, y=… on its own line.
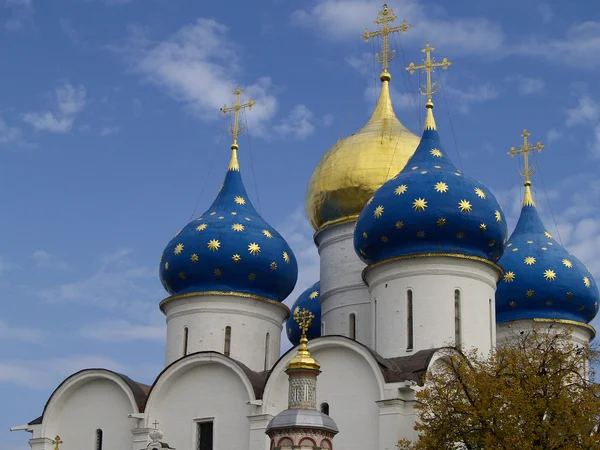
x=415, y=256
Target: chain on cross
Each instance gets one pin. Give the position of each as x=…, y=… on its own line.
x=384, y=18
x=237, y=129
x=57, y=442
x=429, y=64
x=303, y=318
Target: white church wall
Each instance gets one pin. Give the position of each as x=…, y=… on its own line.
x=203, y=388
x=433, y=282
x=343, y=291
x=87, y=403
x=581, y=334
x=206, y=318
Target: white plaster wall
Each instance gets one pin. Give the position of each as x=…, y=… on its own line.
x=580, y=334
x=203, y=391
x=206, y=317
x=97, y=404
x=342, y=289
x=433, y=281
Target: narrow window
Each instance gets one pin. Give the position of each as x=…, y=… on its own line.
x=227, y=349
x=322, y=328
x=185, y=340
x=457, y=335
x=205, y=436
x=267, y=343
x=352, y=326
x=409, y=320
x=98, y=439
x=325, y=408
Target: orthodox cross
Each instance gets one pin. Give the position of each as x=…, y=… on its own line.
x=526, y=149
x=56, y=442
x=236, y=108
x=155, y=424
x=384, y=18
x=428, y=66
x=303, y=318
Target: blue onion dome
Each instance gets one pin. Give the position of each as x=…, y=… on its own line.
x=541, y=279
x=308, y=300
x=430, y=207
x=229, y=249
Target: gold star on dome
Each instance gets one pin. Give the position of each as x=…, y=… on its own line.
x=567, y=263
x=194, y=258
x=586, y=281
x=365, y=235
x=218, y=272
x=239, y=200
x=236, y=258
x=384, y=239
x=399, y=224
x=512, y=304
x=401, y=189
x=369, y=201
x=460, y=234
x=286, y=257
x=548, y=302
x=530, y=260
x=595, y=305
x=182, y=275
x=248, y=219
x=530, y=242
x=213, y=213
x=498, y=216
x=177, y=234
x=581, y=308
x=423, y=172
x=199, y=218
x=178, y=249
x=530, y=293
x=160, y=258
x=421, y=234
x=509, y=277
x=548, y=235
x=550, y=275
x=252, y=276
x=457, y=174
x=167, y=265
x=313, y=295
x=237, y=227
x=569, y=295
x=438, y=167
x=491, y=243
x=550, y=243
x=415, y=168
x=544, y=248
x=267, y=233
x=214, y=245
x=465, y=206
x=233, y=213
x=589, y=271
x=440, y=186
x=482, y=227
x=479, y=193
x=201, y=227
x=441, y=222
x=273, y=265
x=378, y=212
x=515, y=249
x=435, y=152
x=220, y=217
x=509, y=245
x=254, y=248
x=420, y=204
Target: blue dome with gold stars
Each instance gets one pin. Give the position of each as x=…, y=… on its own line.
x=430, y=207
x=229, y=248
x=309, y=300
x=541, y=279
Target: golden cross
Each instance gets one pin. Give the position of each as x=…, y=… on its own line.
x=236, y=108
x=526, y=149
x=56, y=442
x=303, y=318
x=384, y=18
x=428, y=66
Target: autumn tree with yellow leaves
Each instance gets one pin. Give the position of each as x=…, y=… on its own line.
x=535, y=392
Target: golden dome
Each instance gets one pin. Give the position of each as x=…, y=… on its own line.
x=356, y=166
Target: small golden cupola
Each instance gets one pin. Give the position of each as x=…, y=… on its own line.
x=356, y=166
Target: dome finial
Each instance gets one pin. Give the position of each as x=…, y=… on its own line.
x=236, y=129
x=384, y=18
x=431, y=87
x=303, y=359
x=526, y=149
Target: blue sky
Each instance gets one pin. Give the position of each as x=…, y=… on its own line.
x=110, y=136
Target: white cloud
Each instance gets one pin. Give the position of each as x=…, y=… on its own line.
x=546, y=12
x=527, y=85
x=21, y=14
x=9, y=134
x=327, y=119
x=6, y=266
x=48, y=121
x=106, y=131
x=120, y=330
x=553, y=135
x=23, y=334
x=44, y=259
x=69, y=31
x=298, y=123
x=587, y=112
x=70, y=100
x=465, y=98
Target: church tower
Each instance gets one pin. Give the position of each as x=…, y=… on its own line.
x=340, y=186
x=227, y=273
x=302, y=426
x=431, y=237
x=543, y=284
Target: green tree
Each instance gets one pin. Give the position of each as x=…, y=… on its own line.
x=535, y=392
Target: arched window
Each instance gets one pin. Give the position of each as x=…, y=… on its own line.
x=227, y=349
x=409, y=320
x=322, y=328
x=325, y=408
x=457, y=333
x=267, y=345
x=352, y=320
x=186, y=333
x=99, y=439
